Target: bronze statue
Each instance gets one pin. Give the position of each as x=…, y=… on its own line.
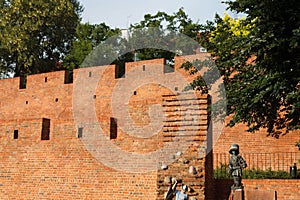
x=236, y=164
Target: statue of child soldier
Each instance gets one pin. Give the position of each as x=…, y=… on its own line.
x=236, y=164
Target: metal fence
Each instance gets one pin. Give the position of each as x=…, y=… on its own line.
x=257, y=161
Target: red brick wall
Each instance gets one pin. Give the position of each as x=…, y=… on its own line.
x=259, y=150
x=59, y=168
x=62, y=168
x=257, y=142
x=285, y=189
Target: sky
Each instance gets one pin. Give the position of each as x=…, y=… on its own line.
x=120, y=14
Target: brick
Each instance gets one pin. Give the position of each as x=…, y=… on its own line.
x=62, y=167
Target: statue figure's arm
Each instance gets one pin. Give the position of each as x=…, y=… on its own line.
x=243, y=162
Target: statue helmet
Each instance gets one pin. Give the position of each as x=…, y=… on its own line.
x=234, y=147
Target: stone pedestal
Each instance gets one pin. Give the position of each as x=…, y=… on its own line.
x=237, y=194
x=261, y=194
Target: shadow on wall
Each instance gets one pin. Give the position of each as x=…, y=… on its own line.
x=223, y=188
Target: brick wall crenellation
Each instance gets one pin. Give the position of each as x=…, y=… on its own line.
x=62, y=167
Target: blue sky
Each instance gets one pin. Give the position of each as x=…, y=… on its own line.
x=116, y=13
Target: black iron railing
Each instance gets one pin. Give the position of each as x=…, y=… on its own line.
x=260, y=165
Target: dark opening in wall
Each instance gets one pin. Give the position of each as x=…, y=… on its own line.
x=90, y=74
x=23, y=81
x=56, y=100
x=144, y=67
x=16, y=134
x=113, y=128
x=95, y=96
x=46, y=79
x=134, y=93
x=26, y=102
x=45, y=129
x=68, y=77
x=176, y=88
x=120, y=70
x=80, y=132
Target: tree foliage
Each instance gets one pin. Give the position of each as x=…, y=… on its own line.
x=88, y=37
x=153, y=37
x=258, y=58
x=164, y=29
x=35, y=35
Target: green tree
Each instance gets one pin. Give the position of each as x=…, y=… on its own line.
x=35, y=35
x=162, y=29
x=88, y=37
x=259, y=60
x=101, y=45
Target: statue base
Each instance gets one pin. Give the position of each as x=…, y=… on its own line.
x=237, y=194
x=261, y=194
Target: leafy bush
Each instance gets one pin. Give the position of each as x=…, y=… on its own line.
x=265, y=174
x=222, y=173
